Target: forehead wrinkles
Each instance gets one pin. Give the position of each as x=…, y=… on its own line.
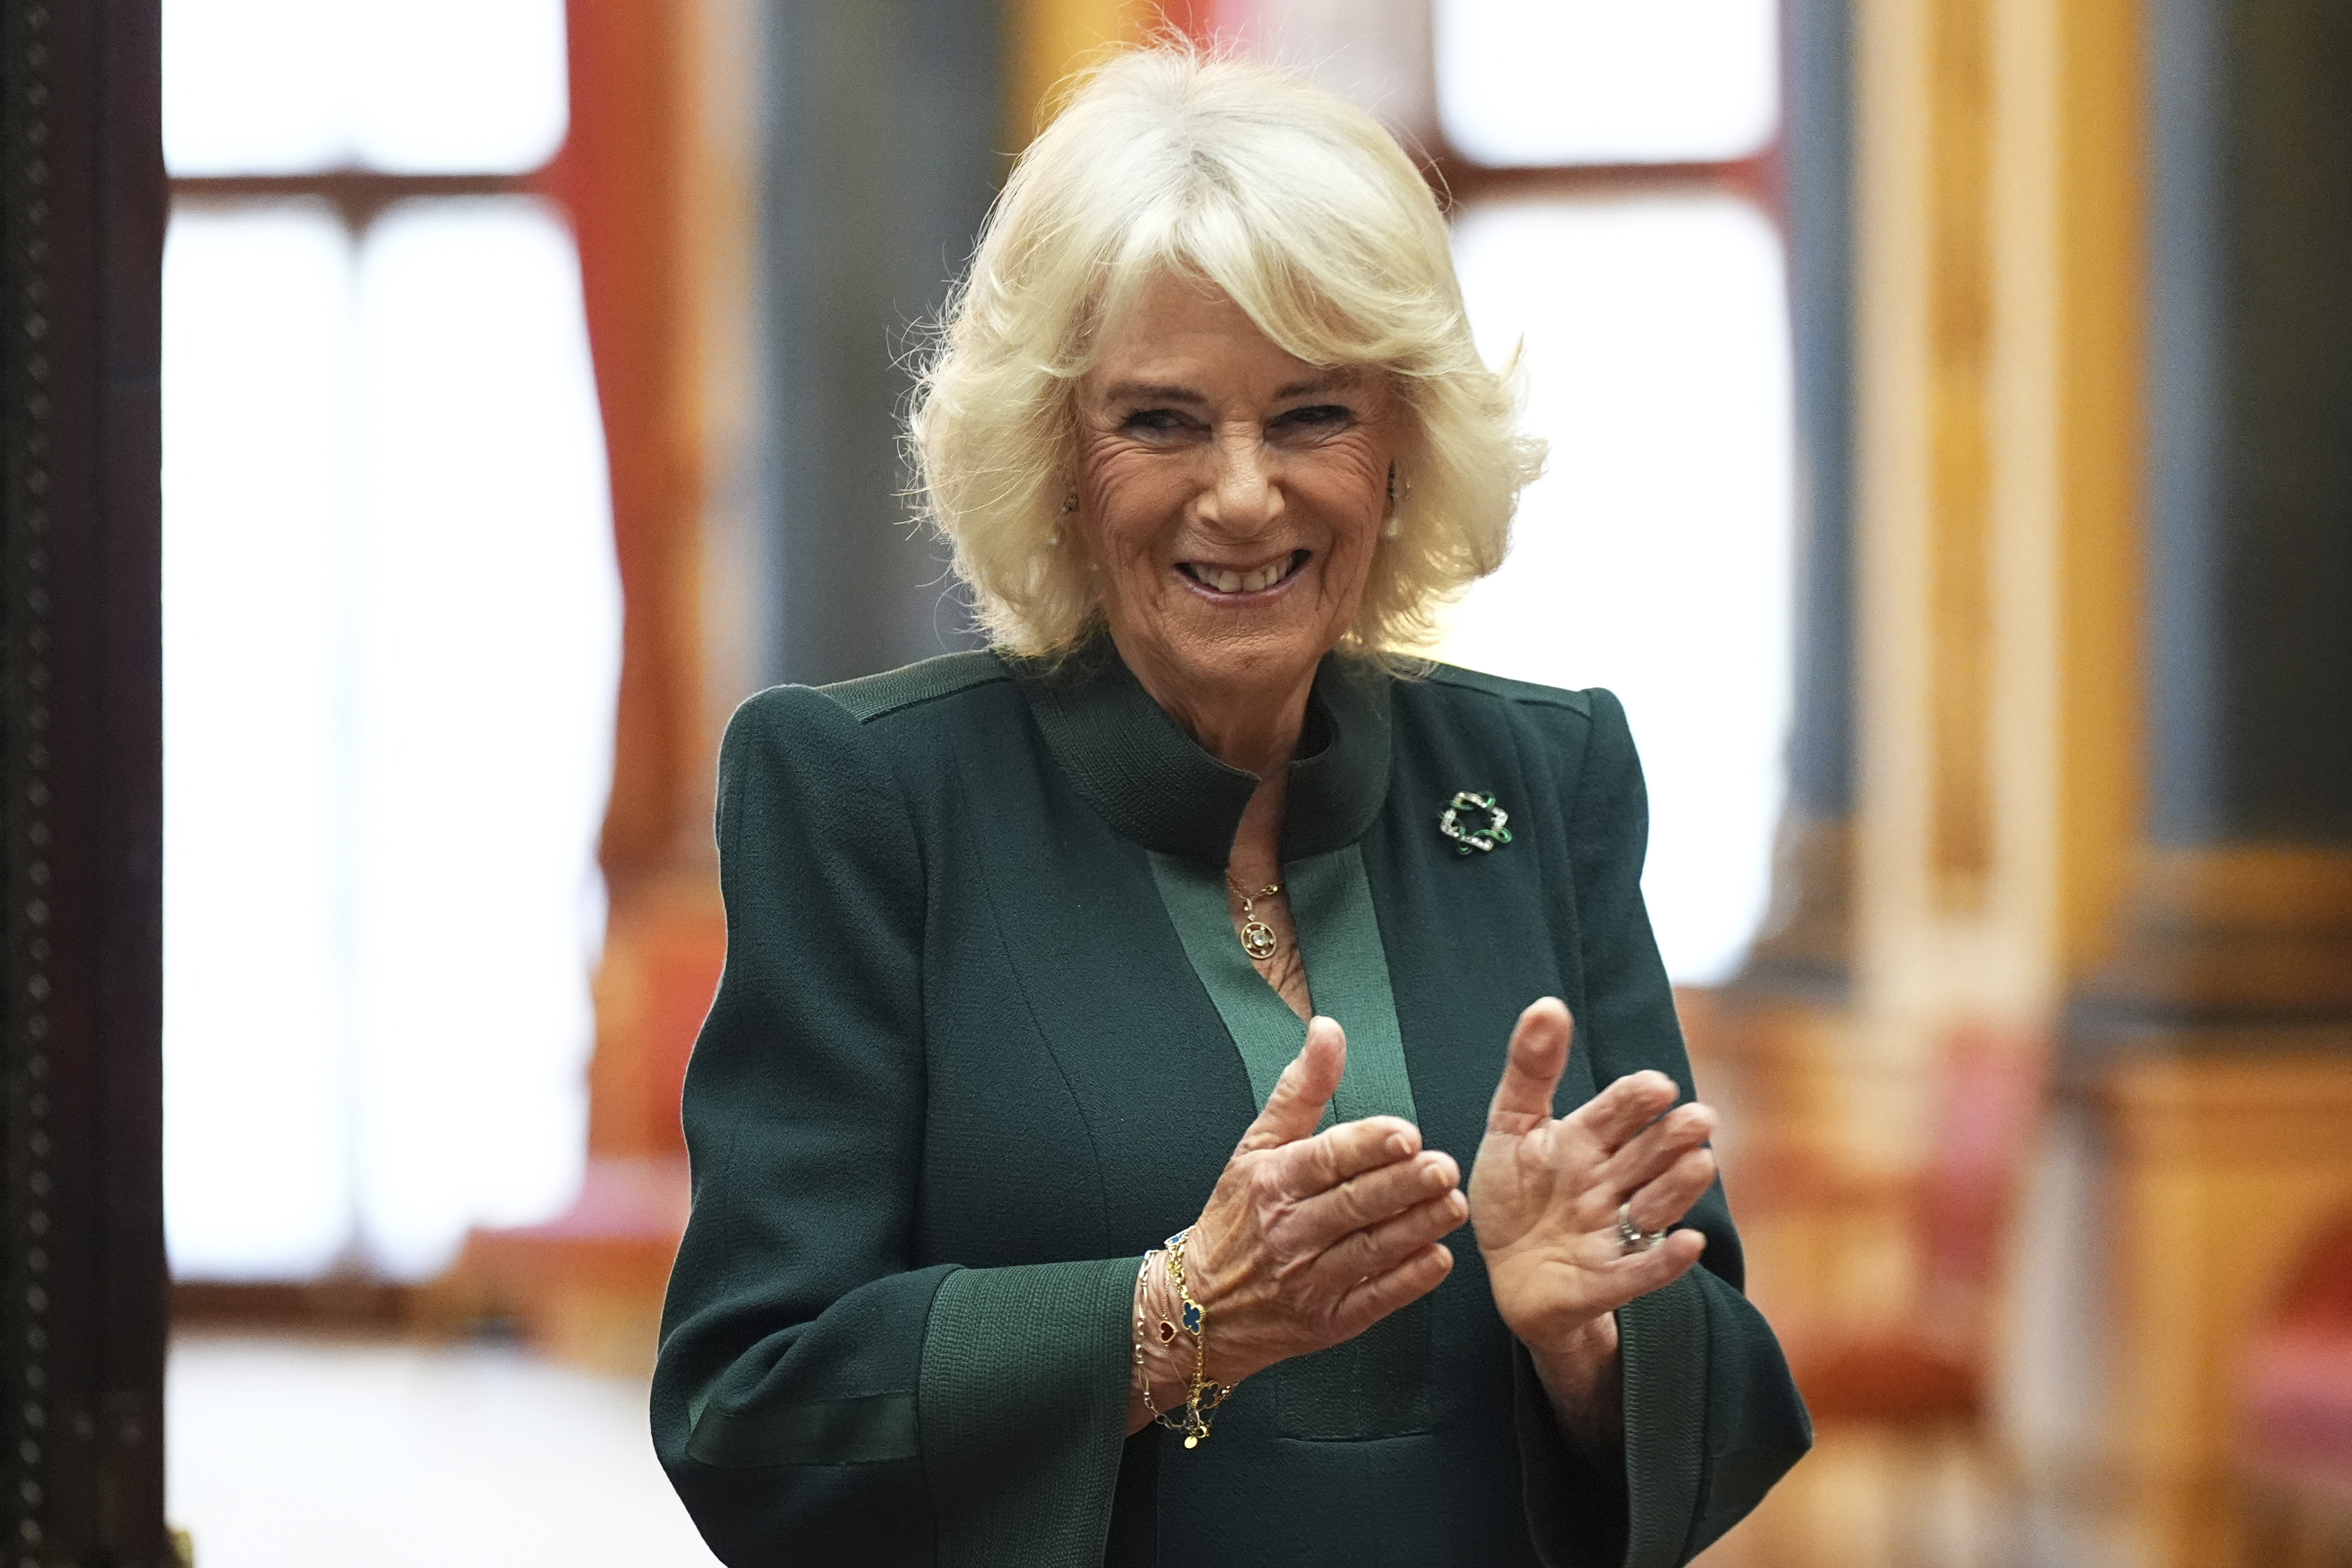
x=1198, y=337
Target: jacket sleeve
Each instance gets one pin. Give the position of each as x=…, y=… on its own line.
x=1712, y=1417
x=818, y=1398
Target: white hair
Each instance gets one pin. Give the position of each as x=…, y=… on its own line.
x=1302, y=208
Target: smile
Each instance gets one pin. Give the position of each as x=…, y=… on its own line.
x=1223, y=581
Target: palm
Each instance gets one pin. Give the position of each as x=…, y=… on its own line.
x=1549, y=1241
x=1545, y=1192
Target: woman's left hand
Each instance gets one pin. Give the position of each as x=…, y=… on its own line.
x=1544, y=1199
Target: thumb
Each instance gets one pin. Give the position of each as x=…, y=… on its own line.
x=1538, y=1055
x=1305, y=1087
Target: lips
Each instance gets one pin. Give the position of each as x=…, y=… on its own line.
x=1228, y=580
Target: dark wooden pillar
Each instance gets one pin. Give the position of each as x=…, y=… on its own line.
x=2215, y=1047
x=2240, y=911
x=82, y=1317
x=884, y=124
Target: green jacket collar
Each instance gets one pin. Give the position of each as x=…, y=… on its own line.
x=1155, y=784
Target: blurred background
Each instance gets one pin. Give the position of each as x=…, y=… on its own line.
x=1950, y=409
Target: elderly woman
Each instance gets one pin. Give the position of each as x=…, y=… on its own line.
x=1075, y=1130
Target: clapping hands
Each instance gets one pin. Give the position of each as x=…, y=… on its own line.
x=1311, y=1237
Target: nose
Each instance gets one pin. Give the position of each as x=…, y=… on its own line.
x=1243, y=496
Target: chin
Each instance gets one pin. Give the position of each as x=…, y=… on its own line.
x=1254, y=656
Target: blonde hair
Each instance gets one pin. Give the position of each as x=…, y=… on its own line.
x=1304, y=210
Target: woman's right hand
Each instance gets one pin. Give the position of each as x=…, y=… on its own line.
x=1312, y=1237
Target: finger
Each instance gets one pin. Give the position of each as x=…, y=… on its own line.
x=1302, y=1091
x=1665, y=1200
x=1658, y=1146
x=1639, y=1273
x=1337, y=1154
x=1612, y=1117
x=1531, y=1068
x=1367, y=1199
x=1370, y=1300
x=1380, y=1247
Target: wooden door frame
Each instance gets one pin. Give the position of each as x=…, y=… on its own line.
x=83, y=1315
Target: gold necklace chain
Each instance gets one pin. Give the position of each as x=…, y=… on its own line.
x=1257, y=937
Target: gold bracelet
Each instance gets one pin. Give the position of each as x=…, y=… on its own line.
x=1204, y=1396
x=1142, y=1372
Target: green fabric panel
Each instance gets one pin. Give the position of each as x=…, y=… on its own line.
x=1376, y=1384
x=1347, y=976
x=1264, y=1030
x=1663, y=1341
x=1348, y=972
x=821, y=1432
x=1026, y=1483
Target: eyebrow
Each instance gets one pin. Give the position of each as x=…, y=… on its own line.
x=1151, y=392
x=1156, y=392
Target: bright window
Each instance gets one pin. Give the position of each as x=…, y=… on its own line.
x=1654, y=556
x=1601, y=157
x=409, y=87
x=391, y=642
x=1527, y=83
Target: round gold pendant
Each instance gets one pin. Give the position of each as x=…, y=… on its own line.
x=1257, y=939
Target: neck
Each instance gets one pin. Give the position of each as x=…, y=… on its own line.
x=1251, y=723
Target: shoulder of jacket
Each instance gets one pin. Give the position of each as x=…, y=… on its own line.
x=1519, y=693
x=873, y=697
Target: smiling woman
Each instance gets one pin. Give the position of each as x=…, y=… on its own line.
x=1175, y=863
x=1327, y=247
x=1229, y=507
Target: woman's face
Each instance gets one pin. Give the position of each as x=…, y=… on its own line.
x=1230, y=496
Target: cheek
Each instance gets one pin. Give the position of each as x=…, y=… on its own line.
x=1350, y=489
x=1126, y=498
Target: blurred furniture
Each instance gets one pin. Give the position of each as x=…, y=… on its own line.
x=1881, y=1283
x=2222, y=1165
x=1927, y=1363
x=2297, y=1391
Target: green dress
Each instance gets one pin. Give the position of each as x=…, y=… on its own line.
x=985, y=1037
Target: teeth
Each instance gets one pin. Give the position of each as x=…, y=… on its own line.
x=1225, y=582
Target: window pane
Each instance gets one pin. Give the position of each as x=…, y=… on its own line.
x=447, y=85
x=1653, y=557
x=490, y=617
x=405, y=86
x=256, y=87
x=1535, y=82
x=256, y=329
x=392, y=643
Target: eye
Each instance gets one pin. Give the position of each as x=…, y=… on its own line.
x=1317, y=416
x=1156, y=422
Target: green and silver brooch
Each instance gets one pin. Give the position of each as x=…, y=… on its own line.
x=1481, y=839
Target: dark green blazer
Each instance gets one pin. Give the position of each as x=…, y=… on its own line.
x=985, y=1037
